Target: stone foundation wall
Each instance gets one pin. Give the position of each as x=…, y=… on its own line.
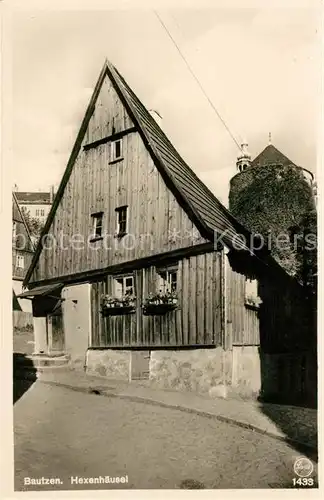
x=109, y=363
x=240, y=373
x=246, y=372
x=198, y=370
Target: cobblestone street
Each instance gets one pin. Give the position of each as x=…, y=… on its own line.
x=61, y=433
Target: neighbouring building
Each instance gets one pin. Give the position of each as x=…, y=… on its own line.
x=37, y=203
x=22, y=252
x=274, y=197
x=156, y=278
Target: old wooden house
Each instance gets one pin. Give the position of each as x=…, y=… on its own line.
x=142, y=273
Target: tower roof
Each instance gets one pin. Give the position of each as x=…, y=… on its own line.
x=269, y=156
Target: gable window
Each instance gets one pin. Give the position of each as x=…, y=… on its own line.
x=124, y=286
x=116, y=150
x=20, y=261
x=37, y=213
x=42, y=212
x=121, y=213
x=168, y=279
x=97, y=225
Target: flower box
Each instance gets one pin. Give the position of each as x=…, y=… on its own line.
x=155, y=309
x=253, y=302
x=117, y=310
x=113, y=306
x=160, y=303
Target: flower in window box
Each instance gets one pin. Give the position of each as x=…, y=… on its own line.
x=160, y=298
x=253, y=301
x=108, y=301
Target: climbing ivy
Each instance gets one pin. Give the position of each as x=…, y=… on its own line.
x=276, y=200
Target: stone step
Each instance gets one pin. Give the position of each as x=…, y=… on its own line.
x=37, y=362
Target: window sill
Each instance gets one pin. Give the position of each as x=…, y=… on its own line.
x=116, y=160
x=97, y=238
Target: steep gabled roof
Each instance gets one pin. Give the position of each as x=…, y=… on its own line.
x=201, y=205
x=18, y=216
x=271, y=156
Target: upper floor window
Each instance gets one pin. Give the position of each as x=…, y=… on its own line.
x=124, y=286
x=20, y=261
x=251, y=288
x=97, y=219
x=116, y=150
x=121, y=220
x=252, y=297
x=168, y=279
x=14, y=230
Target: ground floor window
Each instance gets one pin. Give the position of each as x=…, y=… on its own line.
x=124, y=286
x=168, y=279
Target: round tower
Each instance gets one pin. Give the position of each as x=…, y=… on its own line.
x=272, y=196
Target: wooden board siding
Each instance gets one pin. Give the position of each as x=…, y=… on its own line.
x=157, y=223
x=242, y=321
x=196, y=321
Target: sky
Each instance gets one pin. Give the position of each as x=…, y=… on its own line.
x=259, y=67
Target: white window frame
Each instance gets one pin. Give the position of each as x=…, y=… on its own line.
x=165, y=279
x=118, y=211
x=95, y=218
x=120, y=286
x=113, y=152
x=20, y=262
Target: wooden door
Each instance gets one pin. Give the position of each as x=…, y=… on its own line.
x=56, y=343
x=140, y=365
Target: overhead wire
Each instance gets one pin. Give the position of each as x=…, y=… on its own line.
x=197, y=80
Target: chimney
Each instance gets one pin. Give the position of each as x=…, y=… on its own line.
x=157, y=117
x=51, y=194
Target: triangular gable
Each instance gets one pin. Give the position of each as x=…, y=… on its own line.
x=202, y=207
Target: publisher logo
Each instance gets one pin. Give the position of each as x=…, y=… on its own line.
x=303, y=467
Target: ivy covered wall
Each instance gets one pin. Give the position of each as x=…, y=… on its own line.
x=277, y=202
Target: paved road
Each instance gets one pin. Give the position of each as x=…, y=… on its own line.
x=60, y=433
